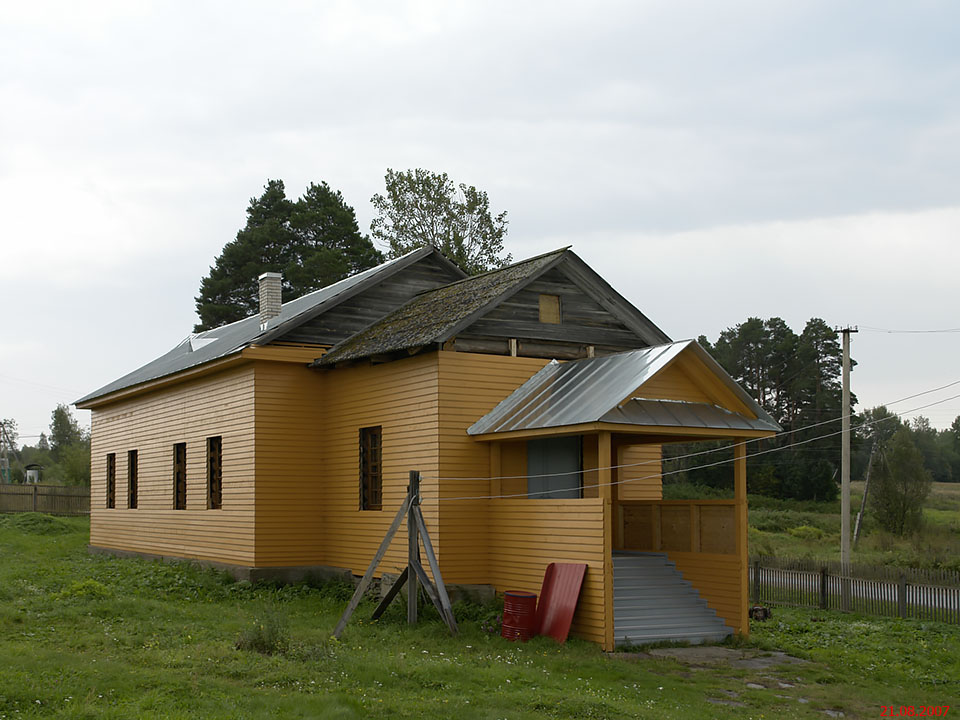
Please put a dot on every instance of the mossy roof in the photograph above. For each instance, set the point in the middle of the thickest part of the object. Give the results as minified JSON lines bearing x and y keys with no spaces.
{"x":436,"y":315}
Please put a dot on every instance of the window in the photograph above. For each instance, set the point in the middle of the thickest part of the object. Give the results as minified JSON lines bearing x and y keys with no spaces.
{"x":111,"y":480}
{"x":180,"y":476}
{"x":550,"y":309}
{"x":371,"y":471}
{"x":553,"y":467}
{"x":214,"y":472}
{"x":132,"y":479}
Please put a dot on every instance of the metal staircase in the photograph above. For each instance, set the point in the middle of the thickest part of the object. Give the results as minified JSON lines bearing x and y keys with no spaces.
{"x":653,"y":603}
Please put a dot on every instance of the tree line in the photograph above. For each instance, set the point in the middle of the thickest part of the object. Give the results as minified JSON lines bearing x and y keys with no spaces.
{"x":63,"y":455}
{"x":797,"y":379}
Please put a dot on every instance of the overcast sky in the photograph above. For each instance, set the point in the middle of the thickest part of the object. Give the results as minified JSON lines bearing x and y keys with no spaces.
{"x":714,"y":161}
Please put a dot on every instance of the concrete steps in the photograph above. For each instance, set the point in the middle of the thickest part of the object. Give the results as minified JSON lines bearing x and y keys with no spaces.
{"x":653,"y":603}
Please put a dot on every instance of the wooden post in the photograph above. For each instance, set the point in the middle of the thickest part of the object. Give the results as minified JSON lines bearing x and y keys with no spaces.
{"x":740,"y":506}
{"x":496,"y":484}
{"x":413,"y":547}
{"x":656,"y":520}
{"x":902,"y":596}
{"x":694,"y":527}
{"x":823,"y":588}
{"x":756,"y":581}
{"x":34,"y":498}
{"x":368,"y":575}
{"x":616,"y":454}
{"x":605,"y":493}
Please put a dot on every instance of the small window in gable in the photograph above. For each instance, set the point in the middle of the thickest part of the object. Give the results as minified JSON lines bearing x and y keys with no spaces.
{"x":550,"y":309}
{"x":111,"y":480}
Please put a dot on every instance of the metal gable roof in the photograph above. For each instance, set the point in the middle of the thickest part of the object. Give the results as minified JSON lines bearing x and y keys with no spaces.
{"x":199,"y":348}
{"x":593,"y":390}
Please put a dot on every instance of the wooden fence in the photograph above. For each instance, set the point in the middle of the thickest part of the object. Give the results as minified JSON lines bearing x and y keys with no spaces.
{"x":868,"y":589}
{"x":50,"y":499}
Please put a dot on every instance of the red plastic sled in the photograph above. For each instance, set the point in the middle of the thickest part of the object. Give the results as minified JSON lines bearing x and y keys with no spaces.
{"x":558,"y":599}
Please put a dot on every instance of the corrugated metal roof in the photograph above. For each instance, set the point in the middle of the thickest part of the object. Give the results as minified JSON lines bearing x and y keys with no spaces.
{"x":592,"y":390}
{"x":220,"y":342}
{"x":680,"y":413}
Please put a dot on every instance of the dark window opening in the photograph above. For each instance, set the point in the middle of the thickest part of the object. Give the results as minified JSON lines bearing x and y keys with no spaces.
{"x":111,"y":480}
{"x":554,"y":467}
{"x":214,"y":472}
{"x":132,"y":479}
{"x":180,"y":476}
{"x":371,"y":470}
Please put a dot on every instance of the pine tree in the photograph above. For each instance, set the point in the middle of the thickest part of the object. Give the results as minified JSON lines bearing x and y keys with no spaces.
{"x":313,"y":242}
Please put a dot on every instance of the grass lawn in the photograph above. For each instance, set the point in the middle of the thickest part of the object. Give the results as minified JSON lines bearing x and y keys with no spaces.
{"x":85,"y":636}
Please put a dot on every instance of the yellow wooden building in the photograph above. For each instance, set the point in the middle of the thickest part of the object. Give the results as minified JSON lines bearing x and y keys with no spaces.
{"x":280,"y":445}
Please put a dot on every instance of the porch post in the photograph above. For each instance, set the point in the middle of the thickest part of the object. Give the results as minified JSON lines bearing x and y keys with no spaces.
{"x":495,"y":473}
{"x":605,"y":492}
{"x":740,"y":510}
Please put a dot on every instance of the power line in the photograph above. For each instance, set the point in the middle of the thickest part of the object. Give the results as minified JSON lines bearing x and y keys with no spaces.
{"x":908,"y":332}
{"x":669,"y":472}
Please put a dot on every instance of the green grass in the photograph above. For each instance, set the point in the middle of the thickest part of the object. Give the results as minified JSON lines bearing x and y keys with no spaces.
{"x":84,"y":636}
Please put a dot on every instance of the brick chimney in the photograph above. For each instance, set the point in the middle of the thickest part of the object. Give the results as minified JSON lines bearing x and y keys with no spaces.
{"x":270,"y":296}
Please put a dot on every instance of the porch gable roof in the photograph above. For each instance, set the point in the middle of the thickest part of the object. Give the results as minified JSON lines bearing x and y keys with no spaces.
{"x":604,"y":389}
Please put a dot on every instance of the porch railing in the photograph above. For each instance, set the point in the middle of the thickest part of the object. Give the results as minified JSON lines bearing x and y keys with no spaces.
{"x":707,"y":526}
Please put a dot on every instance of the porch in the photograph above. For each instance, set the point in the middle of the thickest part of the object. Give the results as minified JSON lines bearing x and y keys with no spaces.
{"x":659,"y":569}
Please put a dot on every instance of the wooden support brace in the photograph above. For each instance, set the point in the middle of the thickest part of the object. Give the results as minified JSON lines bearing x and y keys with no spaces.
{"x":447,"y":610}
{"x":391,"y":594}
{"x":368,"y":575}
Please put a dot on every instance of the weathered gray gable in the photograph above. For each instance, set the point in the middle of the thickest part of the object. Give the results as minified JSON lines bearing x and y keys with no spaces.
{"x":366,"y":308}
{"x":484,"y":312}
{"x":584,"y":320}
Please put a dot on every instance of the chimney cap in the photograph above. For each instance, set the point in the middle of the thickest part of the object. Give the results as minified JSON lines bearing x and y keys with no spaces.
{"x":270,"y":275}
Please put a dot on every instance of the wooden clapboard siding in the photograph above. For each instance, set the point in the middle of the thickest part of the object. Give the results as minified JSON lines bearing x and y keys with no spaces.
{"x":151,"y":423}
{"x":583,"y":319}
{"x":525,"y":535}
{"x":687,"y":378}
{"x":290,"y":471}
{"x":717,"y":578}
{"x":642,"y":481}
{"x":402,"y":398}
{"x":672,"y":383}
{"x":470,"y":385}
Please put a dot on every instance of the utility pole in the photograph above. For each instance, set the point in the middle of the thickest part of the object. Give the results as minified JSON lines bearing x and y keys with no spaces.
{"x":845,"y":468}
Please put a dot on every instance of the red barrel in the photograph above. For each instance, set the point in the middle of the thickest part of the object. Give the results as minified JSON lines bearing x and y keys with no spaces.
{"x":519,"y":615}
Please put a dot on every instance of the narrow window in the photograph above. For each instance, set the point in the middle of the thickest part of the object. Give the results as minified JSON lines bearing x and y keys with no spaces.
{"x":180,"y":476}
{"x":371,"y":475}
{"x":111,"y":480}
{"x":132,"y":479}
{"x":550,"y":309}
{"x":214,"y":472}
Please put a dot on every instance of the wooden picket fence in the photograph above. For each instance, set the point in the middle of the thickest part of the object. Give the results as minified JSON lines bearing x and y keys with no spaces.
{"x":867,"y":589}
{"x":50,"y":499}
